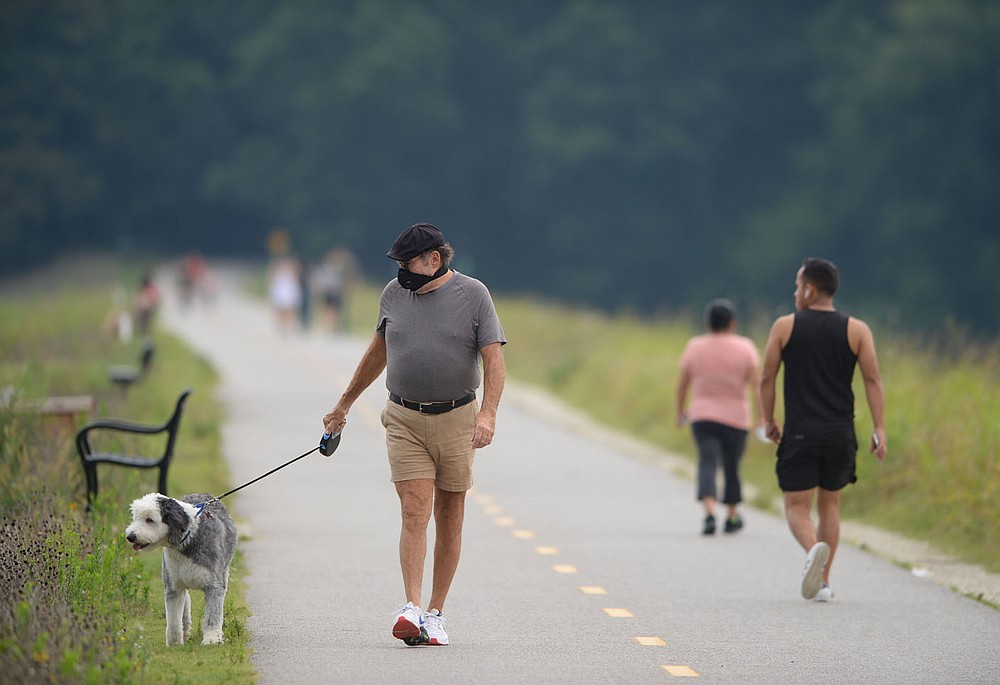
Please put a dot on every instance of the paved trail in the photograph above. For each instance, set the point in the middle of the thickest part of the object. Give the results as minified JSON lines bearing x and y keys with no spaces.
{"x":581,"y":564}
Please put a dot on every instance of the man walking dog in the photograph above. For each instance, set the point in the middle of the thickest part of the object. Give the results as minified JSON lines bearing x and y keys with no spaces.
{"x":434,"y":324}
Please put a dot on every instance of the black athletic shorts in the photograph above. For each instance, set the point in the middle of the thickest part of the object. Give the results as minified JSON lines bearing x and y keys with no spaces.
{"x":828,"y":463}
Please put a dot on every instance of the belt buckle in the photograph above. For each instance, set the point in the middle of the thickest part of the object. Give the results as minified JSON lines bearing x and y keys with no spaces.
{"x":426,"y":407}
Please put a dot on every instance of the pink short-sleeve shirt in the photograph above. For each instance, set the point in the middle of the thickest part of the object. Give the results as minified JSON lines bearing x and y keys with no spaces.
{"x":722,"y":368}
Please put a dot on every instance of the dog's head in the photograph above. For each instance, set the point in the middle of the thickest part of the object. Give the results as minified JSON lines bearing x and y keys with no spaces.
{"x":157,"y":520}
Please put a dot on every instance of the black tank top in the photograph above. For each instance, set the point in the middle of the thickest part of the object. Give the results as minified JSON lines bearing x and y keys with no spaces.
{"x":819,"y":367}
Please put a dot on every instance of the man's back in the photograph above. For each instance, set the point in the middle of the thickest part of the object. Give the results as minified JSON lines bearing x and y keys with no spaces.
{"x":819,"y":367}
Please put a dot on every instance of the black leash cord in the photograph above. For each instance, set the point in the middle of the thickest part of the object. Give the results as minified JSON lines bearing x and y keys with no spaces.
{"x":327,"y":446}
{"x":287,"y":463}
{"x":201,"y":507}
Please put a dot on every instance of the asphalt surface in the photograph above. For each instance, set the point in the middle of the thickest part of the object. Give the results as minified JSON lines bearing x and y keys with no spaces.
{"x":581,"y":563}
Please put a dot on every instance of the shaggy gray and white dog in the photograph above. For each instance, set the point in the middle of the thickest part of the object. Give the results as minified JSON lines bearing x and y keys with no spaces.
{"x":197,"y":552}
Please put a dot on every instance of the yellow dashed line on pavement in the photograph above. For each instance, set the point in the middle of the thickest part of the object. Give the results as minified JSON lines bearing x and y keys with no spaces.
{"x":650,"y":641}
{"x":492,"y":508}
{"x":483,"y":498}
{"x":681,"y":671}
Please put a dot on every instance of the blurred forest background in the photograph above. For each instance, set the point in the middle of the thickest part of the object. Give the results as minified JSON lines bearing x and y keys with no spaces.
{"x":622,"y":154}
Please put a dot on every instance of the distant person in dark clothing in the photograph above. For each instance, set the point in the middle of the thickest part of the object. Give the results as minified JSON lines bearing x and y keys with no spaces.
{"x":147,"y":301}
{"x":819,"y":347}
{"x":718,"y":368}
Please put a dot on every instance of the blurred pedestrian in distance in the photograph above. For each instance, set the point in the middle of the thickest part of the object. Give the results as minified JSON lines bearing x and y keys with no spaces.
{"x":285,"y":292}
{"x":819,"y":347}
{"x":434,"y":325}
{"x":305,"y":297}
{"x":332,"y":279}
{"x":119,"y":322}
{"x":145,"y":305}
{"x":192,"y":272}
{"x":721,"y":372}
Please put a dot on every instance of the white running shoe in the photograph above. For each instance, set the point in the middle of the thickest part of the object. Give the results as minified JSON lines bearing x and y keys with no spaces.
{"x":406,"y":622}
{"x":825,"y":593}
{"x":812,"y":574}
{"x":433,"y":623}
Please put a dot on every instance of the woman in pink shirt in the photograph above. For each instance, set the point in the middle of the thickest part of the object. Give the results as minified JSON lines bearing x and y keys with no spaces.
{"x":719,"y":368}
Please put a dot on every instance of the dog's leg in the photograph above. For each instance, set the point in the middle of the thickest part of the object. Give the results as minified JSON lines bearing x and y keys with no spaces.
{"x":211,"y":627}
{"x":175,"y":602}
{"x":187,"y":615}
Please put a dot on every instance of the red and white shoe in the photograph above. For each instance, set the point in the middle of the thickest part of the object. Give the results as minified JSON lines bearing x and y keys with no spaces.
{"x":406,"y":622}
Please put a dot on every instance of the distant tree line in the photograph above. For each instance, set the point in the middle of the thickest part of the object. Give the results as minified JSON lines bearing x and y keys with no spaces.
{"x":645,"y":154}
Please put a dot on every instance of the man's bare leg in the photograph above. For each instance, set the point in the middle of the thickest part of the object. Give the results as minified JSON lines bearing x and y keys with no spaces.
{"x":798,"y":506}
{"x":449,"y":515}
{"x":416,"y":498}
{"x":828,"y":508}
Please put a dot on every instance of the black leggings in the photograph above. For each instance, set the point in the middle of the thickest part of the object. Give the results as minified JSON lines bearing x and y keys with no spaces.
{"x":718,"y":442}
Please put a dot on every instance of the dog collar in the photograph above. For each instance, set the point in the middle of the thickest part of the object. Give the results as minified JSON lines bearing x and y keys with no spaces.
{"x":201,"y":510}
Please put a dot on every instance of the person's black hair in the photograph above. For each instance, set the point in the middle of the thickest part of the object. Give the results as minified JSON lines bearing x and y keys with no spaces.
{"x":719,"y":314}
{"x":822,"y":274}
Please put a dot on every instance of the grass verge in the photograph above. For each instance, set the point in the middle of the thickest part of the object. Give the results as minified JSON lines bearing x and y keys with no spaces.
{"x":77,"y":604}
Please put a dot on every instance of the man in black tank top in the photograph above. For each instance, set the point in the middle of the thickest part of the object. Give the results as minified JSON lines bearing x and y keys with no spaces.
{"x":820,"y":348}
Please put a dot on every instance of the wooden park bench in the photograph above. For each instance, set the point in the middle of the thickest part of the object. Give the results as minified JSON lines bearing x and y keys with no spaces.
{"x":125,"y":376}
{"x":91,"y":458}
{"x":64,"y":409}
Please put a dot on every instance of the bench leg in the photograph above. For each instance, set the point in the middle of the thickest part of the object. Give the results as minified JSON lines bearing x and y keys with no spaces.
{"x":163,"y":479}
{"x":90,"y":471}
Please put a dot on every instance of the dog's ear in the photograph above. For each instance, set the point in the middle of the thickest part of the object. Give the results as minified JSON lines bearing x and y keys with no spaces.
{"x":175,"y":518}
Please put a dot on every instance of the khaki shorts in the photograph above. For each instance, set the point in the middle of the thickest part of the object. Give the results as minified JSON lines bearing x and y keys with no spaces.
{"x":435,"y":446}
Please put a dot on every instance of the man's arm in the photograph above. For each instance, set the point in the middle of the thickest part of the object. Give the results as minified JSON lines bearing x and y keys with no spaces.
{"x":776,"y":339}
{"x":371,"y":365}
{"x":754,"y":382}
{"x":861,"y":340}
{"x":494,"y":376}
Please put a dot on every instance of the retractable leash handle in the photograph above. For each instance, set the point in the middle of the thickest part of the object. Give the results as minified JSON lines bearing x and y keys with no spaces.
{"x":329,"y":442}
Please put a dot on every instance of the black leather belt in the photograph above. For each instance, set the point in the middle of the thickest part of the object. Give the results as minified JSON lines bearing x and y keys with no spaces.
{"x":432,"y":407}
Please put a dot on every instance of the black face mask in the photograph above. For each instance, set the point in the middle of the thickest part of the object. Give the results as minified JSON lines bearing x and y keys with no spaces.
{"x":412,"y":281}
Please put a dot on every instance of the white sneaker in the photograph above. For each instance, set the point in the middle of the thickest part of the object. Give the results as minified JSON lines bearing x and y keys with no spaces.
{"x":825,"y":593}
{"x":406,"y":622}
{"x":812,"y":574}
{"x":433,"y":623}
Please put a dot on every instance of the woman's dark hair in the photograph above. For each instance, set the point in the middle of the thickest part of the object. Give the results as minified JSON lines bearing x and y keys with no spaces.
{"x":719,"y":314}
{"x":822,"y":274}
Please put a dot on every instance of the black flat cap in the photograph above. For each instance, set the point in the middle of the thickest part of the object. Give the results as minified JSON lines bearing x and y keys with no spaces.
{"x":414,"y":241}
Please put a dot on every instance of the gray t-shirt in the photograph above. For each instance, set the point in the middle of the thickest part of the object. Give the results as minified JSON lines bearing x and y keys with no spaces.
{"x":433,"y":340}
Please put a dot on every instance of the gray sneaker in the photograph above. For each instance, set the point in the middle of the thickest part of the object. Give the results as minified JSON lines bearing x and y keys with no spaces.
{"x":812,"y":574}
